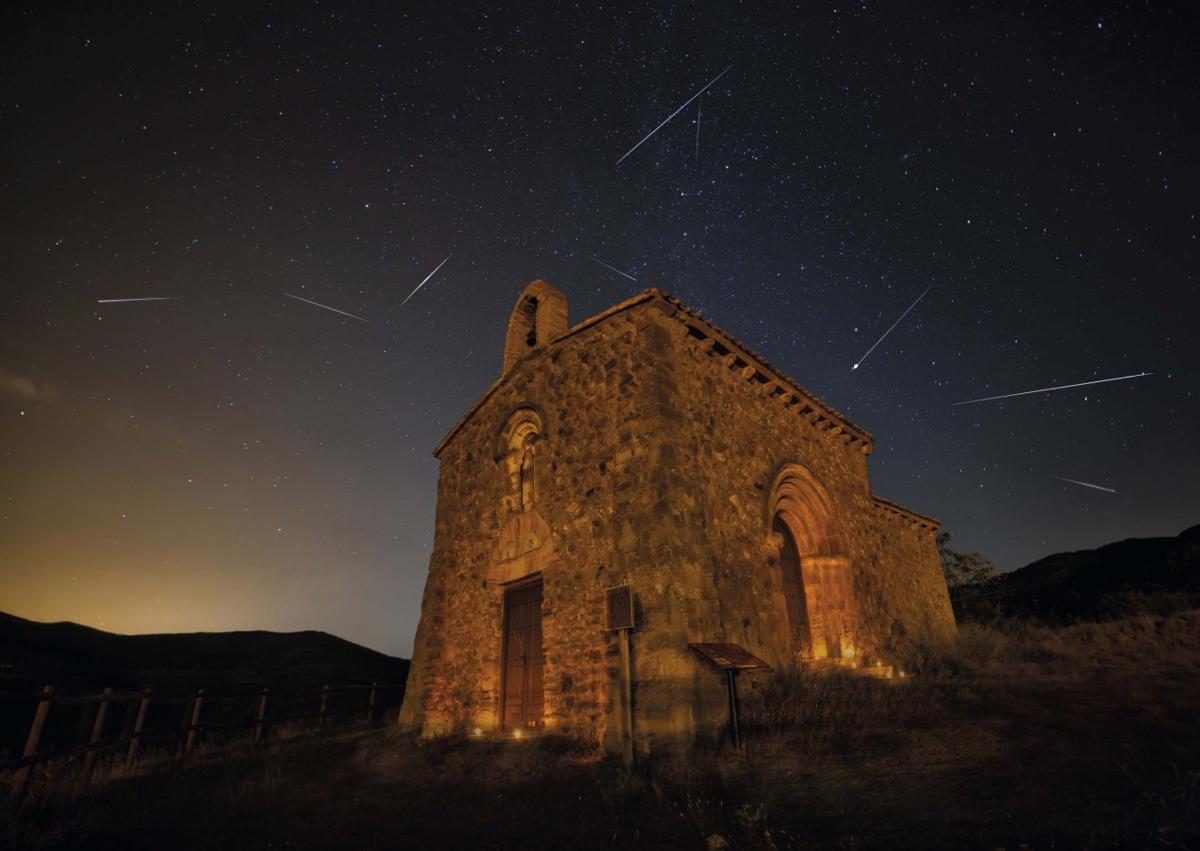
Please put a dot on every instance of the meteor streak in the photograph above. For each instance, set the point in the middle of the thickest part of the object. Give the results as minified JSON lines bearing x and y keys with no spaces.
{"x":1086,"y":484}
{"x":424,"y":282}
{"x":120,"y":300}
{"x":889,"y":330}
{"x":615,"y":269}
{"x":699,"y":103}
{"x":673,"y":114}
{"x":324,"y":306}
{"x":1051,"y":389}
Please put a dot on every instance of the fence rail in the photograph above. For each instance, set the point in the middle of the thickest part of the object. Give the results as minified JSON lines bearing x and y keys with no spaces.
{"x":194,"y":721}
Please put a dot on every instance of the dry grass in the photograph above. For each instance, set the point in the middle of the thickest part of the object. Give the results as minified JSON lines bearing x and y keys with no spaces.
{"x":1084,"y":736}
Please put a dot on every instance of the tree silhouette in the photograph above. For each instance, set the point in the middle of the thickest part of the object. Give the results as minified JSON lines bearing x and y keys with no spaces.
{"x":963,"y":568}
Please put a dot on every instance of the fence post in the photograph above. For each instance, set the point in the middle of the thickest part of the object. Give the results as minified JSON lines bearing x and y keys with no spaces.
{"x":371,"y":703}
{"x":93,"y":751}
{"x":20,"y":781}
{"x":194,"y":727}
{"x":138,"y":725}
{"x":260,"y":723}
{"x":324,"y":706}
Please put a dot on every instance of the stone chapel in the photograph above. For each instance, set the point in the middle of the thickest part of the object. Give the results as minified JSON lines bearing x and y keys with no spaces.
{"x":645,"y":446}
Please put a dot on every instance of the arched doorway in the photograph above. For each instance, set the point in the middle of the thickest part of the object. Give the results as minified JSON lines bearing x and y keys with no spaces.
{"x":793,"y":587}
{"x":815,"y":571}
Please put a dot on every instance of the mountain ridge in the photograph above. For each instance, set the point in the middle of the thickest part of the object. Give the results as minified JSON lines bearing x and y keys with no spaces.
{"x":1126,"y":577}
{"x":68,"y":652}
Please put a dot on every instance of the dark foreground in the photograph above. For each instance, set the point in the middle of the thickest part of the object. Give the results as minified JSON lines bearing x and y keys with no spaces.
{"x":1086,"y":736}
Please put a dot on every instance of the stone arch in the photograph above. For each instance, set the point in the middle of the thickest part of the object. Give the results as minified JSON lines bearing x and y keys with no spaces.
{"x":538,"y":318}
{"x":815,"y":568}
{"x":803,"y":502}
{"x":515,"y":421}
{"x":517,"y":452}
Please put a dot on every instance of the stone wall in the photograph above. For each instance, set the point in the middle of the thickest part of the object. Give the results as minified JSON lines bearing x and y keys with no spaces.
{"x":659,"y":461}
{"x":596,"y":486}
{"x":731,"y":434}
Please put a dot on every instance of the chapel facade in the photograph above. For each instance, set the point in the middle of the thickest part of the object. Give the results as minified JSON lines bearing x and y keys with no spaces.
{"x":646,"y":447}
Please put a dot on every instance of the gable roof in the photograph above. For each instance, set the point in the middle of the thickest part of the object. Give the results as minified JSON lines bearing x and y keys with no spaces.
{"x":758,"y":372}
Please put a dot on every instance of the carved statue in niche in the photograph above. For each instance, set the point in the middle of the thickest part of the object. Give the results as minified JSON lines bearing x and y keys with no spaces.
{"x":526,"y":477}
{"x":523,"y":434}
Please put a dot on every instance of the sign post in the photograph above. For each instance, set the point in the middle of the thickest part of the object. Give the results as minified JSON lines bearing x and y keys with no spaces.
{"x":731,"y":688}
{"x":618,"y":616}
{"x":731,"y":659}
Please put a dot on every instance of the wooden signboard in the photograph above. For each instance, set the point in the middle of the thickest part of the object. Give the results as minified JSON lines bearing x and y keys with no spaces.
{"x":730,"y":658}
{"x":618,"y":608}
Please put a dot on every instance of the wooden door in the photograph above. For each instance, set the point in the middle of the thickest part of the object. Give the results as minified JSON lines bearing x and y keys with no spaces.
{"x":522,"y":656}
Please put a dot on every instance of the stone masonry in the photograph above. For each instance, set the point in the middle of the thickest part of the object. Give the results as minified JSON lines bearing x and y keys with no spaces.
{"x":646,"y":446}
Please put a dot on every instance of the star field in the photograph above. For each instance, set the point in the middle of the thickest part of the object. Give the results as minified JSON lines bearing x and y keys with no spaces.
{"x":235,"y":458}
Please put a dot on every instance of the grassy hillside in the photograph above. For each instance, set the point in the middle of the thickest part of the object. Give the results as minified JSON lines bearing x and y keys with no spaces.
{"x":1017,"y":736}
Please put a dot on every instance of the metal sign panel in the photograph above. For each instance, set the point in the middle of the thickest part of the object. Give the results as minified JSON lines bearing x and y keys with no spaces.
{"x":729,"y":657}
{"x":618,"y":608}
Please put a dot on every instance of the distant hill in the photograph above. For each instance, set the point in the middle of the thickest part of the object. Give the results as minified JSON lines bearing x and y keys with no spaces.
{"x":70,"y":654}
{"x":1134,"y":576}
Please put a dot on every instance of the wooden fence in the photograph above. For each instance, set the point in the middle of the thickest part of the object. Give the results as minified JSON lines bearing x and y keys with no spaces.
{"x":220,"y":718}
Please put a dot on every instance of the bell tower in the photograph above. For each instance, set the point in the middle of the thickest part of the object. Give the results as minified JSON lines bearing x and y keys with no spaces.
{"x":539,"y":317}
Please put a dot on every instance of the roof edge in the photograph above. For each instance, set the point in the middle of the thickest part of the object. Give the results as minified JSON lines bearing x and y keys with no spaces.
{"x":680,"y":312}
{"x":822,"y":410}
{"x":907,"y":513}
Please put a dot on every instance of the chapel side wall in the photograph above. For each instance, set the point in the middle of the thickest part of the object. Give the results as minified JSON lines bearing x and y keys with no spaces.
{"x":427,"y":645}
{"x":732,"y":439}
{"x":910,"y":605}
{"x":598,"y":393}
{"x":729,"y":442}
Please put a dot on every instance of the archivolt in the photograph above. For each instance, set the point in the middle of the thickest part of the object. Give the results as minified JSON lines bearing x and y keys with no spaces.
{"x":520,"y":427}
{"x":803,"y":504}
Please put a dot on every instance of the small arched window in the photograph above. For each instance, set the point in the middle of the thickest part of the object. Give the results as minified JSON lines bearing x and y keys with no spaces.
{"x":519,"y":438}
{"x":529,"y":317}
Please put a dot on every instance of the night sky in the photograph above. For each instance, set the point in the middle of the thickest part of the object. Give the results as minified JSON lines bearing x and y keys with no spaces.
{"x":233,"y":458}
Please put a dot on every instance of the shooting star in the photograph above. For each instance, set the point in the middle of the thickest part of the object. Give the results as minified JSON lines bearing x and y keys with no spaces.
{"x":424,"y":282}
{"x":698,"y":103}
{"x":673,"y":114}
{"x":1086,"y":484}
{"x":889,"y":330}
{"x":1051,"y":389}
{"x":615,"y":269}
{"x":122,"y":300}
{"x":324,"y":306}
